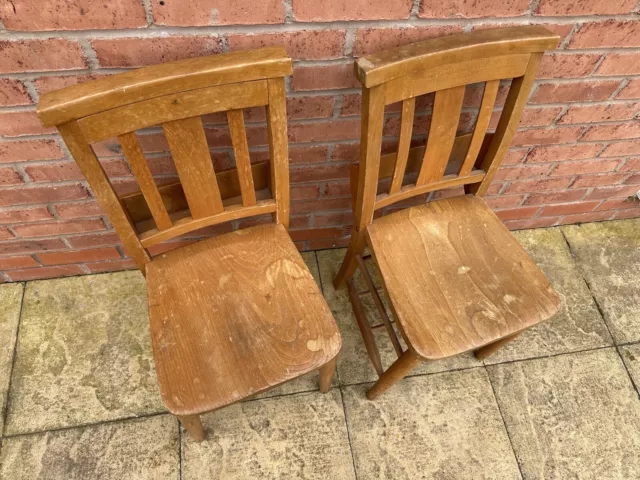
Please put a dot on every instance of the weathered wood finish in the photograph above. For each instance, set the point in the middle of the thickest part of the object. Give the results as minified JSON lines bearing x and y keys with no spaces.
{"x":452,"y":272}
{"x":230,"y":316}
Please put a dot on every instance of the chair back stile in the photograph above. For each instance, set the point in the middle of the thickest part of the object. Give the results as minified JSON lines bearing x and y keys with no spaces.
{"x":174,"y":96}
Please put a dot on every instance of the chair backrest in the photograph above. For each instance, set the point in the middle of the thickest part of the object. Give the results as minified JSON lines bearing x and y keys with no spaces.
{"x":444,"y":66}
{"x":174,"y":95}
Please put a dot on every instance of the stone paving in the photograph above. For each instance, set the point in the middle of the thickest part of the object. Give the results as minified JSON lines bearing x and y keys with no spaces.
{"x":80,"y":400}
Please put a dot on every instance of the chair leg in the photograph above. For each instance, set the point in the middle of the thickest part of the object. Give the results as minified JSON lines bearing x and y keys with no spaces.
{"x":396,"y":372}
{"x":193,"y":425}
{"x":347,"y":268}
{"x":365,"y":328}
{"x":326,"y":375}
{"x":493,"y":347}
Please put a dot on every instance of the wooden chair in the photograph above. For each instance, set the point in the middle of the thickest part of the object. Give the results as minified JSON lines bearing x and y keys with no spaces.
{"x":456,"y":279}
{"x":230,"y":316}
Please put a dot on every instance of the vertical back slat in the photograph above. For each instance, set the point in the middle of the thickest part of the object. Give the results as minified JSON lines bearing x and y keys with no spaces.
{"x":148,"y":187}
{"x":442,"y":133}
{"x":190,"y":154}
{"x":243,"y":162}
{"x":278,"y":147}
{"x":516,"y":101}
{"x":406,"y":129}
{"x":480,"y":130}
{"x":103,"y":190}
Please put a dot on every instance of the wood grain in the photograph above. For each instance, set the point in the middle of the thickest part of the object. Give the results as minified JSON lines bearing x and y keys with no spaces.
{"x":241,"y":151}
{"x":191,"y":157}
{"x":456,"y":276}
{"x":279,"y":149}
{"x":214,"y":346}
{"x":406,"y":129}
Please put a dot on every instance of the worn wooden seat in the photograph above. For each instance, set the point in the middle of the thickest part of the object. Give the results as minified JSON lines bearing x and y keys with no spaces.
{"x":456,"y":279}
{"x":230,"y":316}
{"x":233,"y":316}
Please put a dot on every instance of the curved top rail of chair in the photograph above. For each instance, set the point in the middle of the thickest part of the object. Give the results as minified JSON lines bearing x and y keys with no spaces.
{"x":78,"y":101}
{"x":397,"y":62}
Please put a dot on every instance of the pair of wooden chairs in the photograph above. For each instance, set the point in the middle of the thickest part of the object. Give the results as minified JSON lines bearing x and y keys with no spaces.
{"x":235,"y":315}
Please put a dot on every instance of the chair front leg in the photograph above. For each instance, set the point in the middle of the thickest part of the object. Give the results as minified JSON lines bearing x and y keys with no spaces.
{"x":193,"y":425}
{"x":493,"y":347}
{"x":396,"y":372}
{"x":326,"y":375}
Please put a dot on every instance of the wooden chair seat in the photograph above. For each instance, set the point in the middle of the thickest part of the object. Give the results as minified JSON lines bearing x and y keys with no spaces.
{"x":456,"y":277}
{"x":233,"y":316}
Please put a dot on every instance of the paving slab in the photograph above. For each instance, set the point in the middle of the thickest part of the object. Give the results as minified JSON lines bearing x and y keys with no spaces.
{"x":145,"y":448}
{"x":354,"y":365}
{"x":440,"y":426}
{"x":300,"y":436}
{"x":631,"y":357}
{"x":83,"y":354}
{"x":10,"y":301}
{"x":608,"y":256}
{"x":577,"y":325}
{"x":571,"y":416}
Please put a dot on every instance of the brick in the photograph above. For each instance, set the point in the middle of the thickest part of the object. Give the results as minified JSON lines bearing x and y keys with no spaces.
{"x":517,"y":213}
{"x":12,"y":92}
{"x":531,"y":223}
{"x":351,"y":105}
{"x":610,"y":33}
{"x":33,"y":15}
{"x":629,"y":213}
{"x":591,"y":91}
{"x":572,"y":8}
{"x":299,"y":221}
{"x":540,"y":185}
{"x":65,"y":171}
{"x":568,"y":208}
{"x":24,"y":150}
{"x":533,"y":117}
{"x":633,"y":180}
{"x":15,"y":124}
{"x":565,"y":65}
{"x":316,"y":233}
{"x":538,"y":136}
{"x":187,"y":13}
{"x":306,"y":155}
{"x":137,"y":52}
{"x":342,"y":218}
{"x":79,"y":210}
{"x":619,"y":203}
{"x":300,"y":45}
{"x":24,"y":215}
{"x":337,"y":10}
{"x":5,"y":234}
{"x":12,"y":263}
{"x":617,"y":149}
{"x":310,"y":107}
{"x":585,"y":181}
{"x":44,"y":272}
{"x":620,"y":64}
{"x":319,"y":173}
{"x":9,"y":176}
{"x":613,"y":132}
{"x":514,"y":156}
{"x":472,"y":9}
{"x":79,"y":256}
{"x":49,"y":84}
{"x":111,"y":266}
{"x":559,"y":153}
{"x":371,"y":40}
{"x":19,"y":56}
{"x":346,"y":152}
{"x":575,"y":168}
{"x":504,"y":201}
{"x":30,"y":246}
{"x":586,"y":217}
{"x":324,"y":77}
{"x":305,"y":192}
{"x":555,"y":197}
{"x":600,"y":113}
{"x":93,"y":240}
{"x":34,"y":195}
{"x":324,"y":131}
{"x":321,"y":205}
{"x":621,"y":191}
{"x":632,"y":90}
{"x":632,"y":164}
{"x":522,"y":171}
{"x":49,"y":229}
{"x":335,"y":189}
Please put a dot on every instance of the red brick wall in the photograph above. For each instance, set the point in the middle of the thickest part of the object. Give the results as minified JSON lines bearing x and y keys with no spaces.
{"x":576,"y":157}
